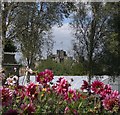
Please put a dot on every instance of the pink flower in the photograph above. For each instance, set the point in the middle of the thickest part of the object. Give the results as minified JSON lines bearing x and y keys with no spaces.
{"x":32,"y":90}
{"x":112,"y":101}
{"x":97,"y":87}
{"x":20,"y":91}
{"x":72,"y":95}
{"x":107,"y":90}
{"x":62,"y":86}
{"x":85,"y":85}
{"x":6,"y":96}
{"x":45,"y":77}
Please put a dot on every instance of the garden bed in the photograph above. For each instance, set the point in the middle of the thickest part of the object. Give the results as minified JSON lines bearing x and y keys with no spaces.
{"x":47,"y":97}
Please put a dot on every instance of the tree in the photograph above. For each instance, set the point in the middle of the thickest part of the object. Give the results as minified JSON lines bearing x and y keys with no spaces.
{"x":9,"y":46}
{"x":32,"y":22}
{"x":48,"y":43}
{"x":7,"y":18}
{"x":89,"y":24}
{"x":111,"y":58}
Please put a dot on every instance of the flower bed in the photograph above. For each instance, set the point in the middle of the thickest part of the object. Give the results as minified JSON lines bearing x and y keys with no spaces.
{"x":45,"y":97}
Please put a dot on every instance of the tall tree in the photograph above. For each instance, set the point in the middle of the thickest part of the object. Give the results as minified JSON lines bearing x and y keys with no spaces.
{"x":7,"y":18}
{"x":32,"y":22}
{"x":89,"y":24}
{"x":111,"y":58}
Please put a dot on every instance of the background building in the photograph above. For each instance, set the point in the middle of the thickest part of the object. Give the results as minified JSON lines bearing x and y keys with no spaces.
{"x":60,"y":57}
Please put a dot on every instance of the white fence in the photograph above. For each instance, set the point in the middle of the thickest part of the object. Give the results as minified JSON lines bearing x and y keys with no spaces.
{"x":76,"y":84}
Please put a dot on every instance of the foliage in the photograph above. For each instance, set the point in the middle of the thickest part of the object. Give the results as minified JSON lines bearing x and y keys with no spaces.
{"x":29,"y":23}
{"x":111,"y":56}
{"x":45,"y":97}
{"x":9,"y":46}
{"x":68,"y":67}
{"x":90,"y":31}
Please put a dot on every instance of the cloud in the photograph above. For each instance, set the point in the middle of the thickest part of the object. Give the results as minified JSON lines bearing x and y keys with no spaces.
{"x":62,"y":37}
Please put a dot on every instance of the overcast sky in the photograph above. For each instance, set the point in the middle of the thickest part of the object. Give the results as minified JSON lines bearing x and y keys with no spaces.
{"x":62,"y":37}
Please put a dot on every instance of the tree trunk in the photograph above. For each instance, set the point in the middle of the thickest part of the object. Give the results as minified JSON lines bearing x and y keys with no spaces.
{"x":0,"y":52}
{"x":0,"y":41}
{"x":91,"y":48}
{"x":28,"y":74}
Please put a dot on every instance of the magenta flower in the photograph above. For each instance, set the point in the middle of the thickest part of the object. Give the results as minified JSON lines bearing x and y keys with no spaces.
{"x":97,"y":87}
{"x":31,"y":89}
{"x":45,"y":77}
{"x":62,"y":86}
{"x":112,"y":101}
{"x":85,"y":85}
{"x":20,"y":91}
{"x":6,"y":96}
{"x":107,"y":90}
{"x":72,"y":95}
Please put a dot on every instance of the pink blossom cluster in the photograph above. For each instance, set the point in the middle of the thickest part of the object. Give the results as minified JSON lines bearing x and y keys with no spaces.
{"x":32,"y":90}
{"x":97,"y":87}
{"x":72,"y":95}
{"x":85,"y":86}
{"x":31,"y":95}
{"x":29,"y":92}
{"x":6,"y":96}
{"x":44,"y":77}
{"x":110,"y":99}
{"x":106,"y":91}
{"x":20,"y":91}
{"x":61,"y":87}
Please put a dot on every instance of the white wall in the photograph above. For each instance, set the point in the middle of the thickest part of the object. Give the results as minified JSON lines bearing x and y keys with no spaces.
{"x":76,"y":84}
